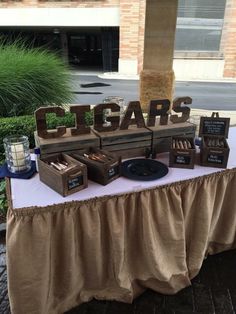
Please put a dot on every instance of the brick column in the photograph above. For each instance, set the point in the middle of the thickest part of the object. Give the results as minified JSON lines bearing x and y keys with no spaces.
{"x":229,"y":39}
{"x":129,"y":36}
{"x":157,"y":77}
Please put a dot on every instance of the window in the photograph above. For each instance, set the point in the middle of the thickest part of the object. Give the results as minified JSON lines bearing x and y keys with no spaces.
{"x":199,"y":25}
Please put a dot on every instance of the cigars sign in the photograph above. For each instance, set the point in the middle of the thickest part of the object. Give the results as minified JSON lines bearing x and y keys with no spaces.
{"x":133,"y":116}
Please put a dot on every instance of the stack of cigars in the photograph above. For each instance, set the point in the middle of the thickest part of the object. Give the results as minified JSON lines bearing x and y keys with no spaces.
{"x":215,"y":142}
{"x":181,"y":144}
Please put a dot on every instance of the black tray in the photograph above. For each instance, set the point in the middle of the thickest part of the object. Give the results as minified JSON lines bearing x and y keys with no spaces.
{"x":143,"y":169}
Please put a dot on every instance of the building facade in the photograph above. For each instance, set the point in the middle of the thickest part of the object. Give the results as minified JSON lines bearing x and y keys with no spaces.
{"x":109,"y":34}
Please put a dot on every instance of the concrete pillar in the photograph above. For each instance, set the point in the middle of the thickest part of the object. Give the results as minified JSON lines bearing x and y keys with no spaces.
{"x":157,"y":77}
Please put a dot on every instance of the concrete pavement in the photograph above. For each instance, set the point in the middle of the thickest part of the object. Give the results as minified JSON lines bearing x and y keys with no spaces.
{"x":197,"y":113}
{"x":222,"y":94}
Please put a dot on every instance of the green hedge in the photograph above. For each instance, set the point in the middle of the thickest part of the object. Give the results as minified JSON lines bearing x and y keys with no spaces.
{"x":25,"y":125}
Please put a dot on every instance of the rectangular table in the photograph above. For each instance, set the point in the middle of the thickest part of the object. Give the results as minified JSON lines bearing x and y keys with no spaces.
{"x":114,"y":241}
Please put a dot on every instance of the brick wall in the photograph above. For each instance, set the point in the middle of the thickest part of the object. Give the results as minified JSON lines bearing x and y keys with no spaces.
{"x":59,"y":3}
{"x":142,"y":9}
{"x":132,"y":19}
{"x":228,"y":45}
{"x":129,"y":28}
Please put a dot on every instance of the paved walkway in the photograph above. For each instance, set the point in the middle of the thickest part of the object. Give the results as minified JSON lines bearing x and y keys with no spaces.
{"x":213,"y":291}
{"x":197,"y":113}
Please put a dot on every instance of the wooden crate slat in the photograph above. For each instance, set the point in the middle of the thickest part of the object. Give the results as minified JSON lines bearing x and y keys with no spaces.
{"x":124,"y":136}
{"x":66,"y":143}
{"x":127,"y":145}
{"x":130,"y":153}
{"x":172,"y":129}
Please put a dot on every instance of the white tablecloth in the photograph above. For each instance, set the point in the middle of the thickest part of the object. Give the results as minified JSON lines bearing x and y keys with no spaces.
{"x":39,"y":194}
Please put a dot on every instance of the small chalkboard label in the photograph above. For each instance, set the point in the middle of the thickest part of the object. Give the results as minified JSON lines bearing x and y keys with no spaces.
{"x":73,"y":183}
{"x":215,"y":159}
{"x":214,"y":127}
{"x":183,"y":160}
{"x":113,"y":171}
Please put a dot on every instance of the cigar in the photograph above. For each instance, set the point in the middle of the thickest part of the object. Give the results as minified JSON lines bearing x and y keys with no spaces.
{"x":104,"y":157}
{"x":189,"y":144}
{"x":56,"y":166}
{"x":209,"y":142}
{"x":64,"y":163}
{"x":173,"y":143}
{"x":185,"y":144}
{"x":94,"y":158}
{"x":181,"y":144}
{"x":217,"y":142}
{"x":61,"y":165}
{"x":222,"y":143}
{"x":97,"y":157}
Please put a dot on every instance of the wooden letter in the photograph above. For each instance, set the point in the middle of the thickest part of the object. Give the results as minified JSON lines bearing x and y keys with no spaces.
{"x":99,"y":114}
{"x":80,"y":124}
{"x":133,"y":107}
{"x":177,"y":108}
{"x":41,"y":124}
{"x":158,"y":108}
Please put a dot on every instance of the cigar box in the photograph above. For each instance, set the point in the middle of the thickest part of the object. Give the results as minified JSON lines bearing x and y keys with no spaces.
{"x":182,"y":152}
{"x":69,"y":180}
{"x":132,"y":142}
{"x":103,"y":166}
{"x":162,"y":134}
{"x":214,"y":150}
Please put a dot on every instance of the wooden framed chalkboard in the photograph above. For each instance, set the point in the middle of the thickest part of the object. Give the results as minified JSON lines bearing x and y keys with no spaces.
{"x":214,"y":126}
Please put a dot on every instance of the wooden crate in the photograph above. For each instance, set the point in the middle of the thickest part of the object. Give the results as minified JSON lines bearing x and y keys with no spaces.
{"x":66,"y":143}
{"x":182,"y":157}
{"x":101,"y":172}
{"x":214,"y":130}
{"x":67,"y":181}
{"x":216,"y":157}
{"x":126,"y":143}
{"x":162,"y":134}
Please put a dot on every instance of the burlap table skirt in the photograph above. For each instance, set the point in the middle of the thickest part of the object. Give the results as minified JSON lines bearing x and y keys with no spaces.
{"x":117,"y":246}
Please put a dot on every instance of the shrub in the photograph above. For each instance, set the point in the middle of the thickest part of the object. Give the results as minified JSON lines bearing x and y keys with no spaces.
{"x":30,"y":78}
{"x":3,"y":201}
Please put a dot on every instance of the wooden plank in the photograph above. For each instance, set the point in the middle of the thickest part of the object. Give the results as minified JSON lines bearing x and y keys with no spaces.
{"x":69,"y":152}
{"x":66,"y":142}
{"x":162,"y":144}
{"x":133,"y":134}
{"x":130,"y":153}
{"x":130,"y":145}
{"x":172,"y":129}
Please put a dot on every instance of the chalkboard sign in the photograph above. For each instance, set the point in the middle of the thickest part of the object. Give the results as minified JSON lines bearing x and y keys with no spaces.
{"x":183,"y":160}
{"x":215,"y":159}
{"x":113,"y":171}
{"x":214,"y":126}
{"x":73,"y":183}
